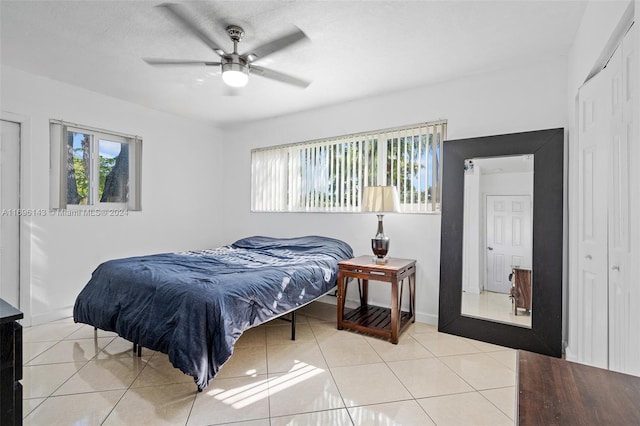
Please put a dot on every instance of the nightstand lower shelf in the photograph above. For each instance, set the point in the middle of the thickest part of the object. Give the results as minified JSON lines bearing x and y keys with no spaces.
{"x":374,"y":320}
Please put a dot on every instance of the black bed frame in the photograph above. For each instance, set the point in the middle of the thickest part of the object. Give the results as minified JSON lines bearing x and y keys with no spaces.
{"x":138,"y":348}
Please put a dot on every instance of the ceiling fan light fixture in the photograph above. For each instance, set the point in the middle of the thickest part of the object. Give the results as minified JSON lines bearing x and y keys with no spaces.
{"x":234,"y":67}
{"x":235,"y":75}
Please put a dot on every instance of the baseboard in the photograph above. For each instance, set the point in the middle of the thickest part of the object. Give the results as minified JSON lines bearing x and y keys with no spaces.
{"x":329,"y":299}
{"x":52,"y":315}
{"x":430,"y":319}
{"x":569,"y":355}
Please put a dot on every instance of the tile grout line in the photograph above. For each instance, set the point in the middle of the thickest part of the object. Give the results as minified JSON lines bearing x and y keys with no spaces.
{"x":405,"y":386}
{"x":266,"y":347}
{"x":128,"y":388}
{"x":68,"y":378}
{"x":463,"y":379}
{"x":315,"y":337}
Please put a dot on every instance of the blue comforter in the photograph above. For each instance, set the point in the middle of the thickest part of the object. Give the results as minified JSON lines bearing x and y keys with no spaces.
{"x":193,"y":306}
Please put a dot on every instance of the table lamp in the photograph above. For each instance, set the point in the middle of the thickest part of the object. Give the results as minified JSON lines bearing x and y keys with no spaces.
{"x":380,"y":199}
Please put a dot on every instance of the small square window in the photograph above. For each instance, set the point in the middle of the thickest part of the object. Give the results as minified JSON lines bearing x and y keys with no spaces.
{"x":94,"y":168}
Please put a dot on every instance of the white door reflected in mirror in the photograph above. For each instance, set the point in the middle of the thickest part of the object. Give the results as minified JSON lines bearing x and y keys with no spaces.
{"x":497,"y":240}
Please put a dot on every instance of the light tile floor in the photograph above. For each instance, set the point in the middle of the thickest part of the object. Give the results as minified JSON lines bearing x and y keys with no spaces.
{"x":73,"y":375}
{"x":494,"y":306}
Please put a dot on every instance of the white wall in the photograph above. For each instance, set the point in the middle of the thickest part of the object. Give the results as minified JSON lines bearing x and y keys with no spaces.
{"x":181,"y":169}
{"x":598,"y":23}
{"x":472,"y":266}
{"x":504,"y":101}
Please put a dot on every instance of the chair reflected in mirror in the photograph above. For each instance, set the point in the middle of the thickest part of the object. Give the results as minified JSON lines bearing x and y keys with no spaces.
{"x":521,"y":289}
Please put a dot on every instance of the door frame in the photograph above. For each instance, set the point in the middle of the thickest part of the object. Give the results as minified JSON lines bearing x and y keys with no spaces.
{"x":25,"y":203}
{"x":10,"y":226}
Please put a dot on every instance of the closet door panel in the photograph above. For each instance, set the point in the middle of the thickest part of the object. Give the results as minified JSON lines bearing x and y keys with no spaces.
{"x":624,"y":342}
{"x":618,"y":229}
{"x":631,"y":115}
{"x":592,"y":287}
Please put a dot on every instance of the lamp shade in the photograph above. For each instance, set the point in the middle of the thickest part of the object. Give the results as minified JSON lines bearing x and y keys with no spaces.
{"x":380,"y":199}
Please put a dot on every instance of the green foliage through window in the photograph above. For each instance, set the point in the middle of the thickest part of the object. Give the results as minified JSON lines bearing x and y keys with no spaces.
{"x":111,"y":169}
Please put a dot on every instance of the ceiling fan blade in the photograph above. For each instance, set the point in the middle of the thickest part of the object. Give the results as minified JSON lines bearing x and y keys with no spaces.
{"x":154,"y":61}
{"x":179,"y":15}
{"x":276,"y":45}
{"x":278,"y":76}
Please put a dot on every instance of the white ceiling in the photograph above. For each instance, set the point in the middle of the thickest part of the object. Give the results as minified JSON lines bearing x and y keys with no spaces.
{"x":357,"y":48}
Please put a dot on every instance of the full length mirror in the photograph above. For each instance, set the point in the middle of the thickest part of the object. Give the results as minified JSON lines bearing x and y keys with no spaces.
{"x":546,"y":150}
{"x":497,"y":250}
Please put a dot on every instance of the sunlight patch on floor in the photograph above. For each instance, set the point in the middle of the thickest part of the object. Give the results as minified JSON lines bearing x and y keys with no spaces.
{"x":243,"y":396}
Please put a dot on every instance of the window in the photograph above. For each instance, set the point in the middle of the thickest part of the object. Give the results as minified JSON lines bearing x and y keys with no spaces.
{"x":329,"y":174}
{"x":91,"y":167}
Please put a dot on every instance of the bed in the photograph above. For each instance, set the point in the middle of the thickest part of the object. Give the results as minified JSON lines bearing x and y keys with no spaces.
{"x":194,"y":305}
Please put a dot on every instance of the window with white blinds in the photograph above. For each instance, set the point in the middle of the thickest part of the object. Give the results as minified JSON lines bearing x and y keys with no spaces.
{"x":329,"y":175}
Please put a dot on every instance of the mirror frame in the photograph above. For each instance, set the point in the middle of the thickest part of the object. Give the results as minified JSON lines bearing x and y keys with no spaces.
{"x":545,"y":334}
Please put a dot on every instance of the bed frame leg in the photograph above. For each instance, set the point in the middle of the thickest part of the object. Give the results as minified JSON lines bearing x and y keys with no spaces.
{"x":293,"y":325}
{"x":137,"y":348}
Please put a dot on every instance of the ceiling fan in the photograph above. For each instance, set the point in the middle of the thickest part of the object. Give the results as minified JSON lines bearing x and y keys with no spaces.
{"x":235,"y":67}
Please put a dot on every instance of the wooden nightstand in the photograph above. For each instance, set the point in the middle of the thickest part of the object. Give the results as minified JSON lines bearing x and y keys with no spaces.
{"x":383,"y":322}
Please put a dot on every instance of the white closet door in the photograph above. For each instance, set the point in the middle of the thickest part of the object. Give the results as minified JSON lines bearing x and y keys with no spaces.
{"x":623,"y":199}
{"x":631,"y":116}
{"x":592,"y":288}
{"x":607,"y":289}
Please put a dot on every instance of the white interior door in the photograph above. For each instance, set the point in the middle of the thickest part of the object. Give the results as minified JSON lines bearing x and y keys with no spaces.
{"x":593,"y":175}
{"x":9,"y":219}
{"x":508,"y":238}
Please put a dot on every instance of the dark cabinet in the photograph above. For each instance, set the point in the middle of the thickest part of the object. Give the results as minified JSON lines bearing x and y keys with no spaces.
{"x":10,"y":365}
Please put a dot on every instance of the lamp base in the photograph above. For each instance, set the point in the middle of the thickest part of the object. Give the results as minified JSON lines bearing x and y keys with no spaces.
{"x":380,"y":260}
{"x":380,"y":246}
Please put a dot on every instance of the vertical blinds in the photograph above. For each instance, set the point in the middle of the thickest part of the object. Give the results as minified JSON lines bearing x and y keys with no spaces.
{"x":330,"y":174}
